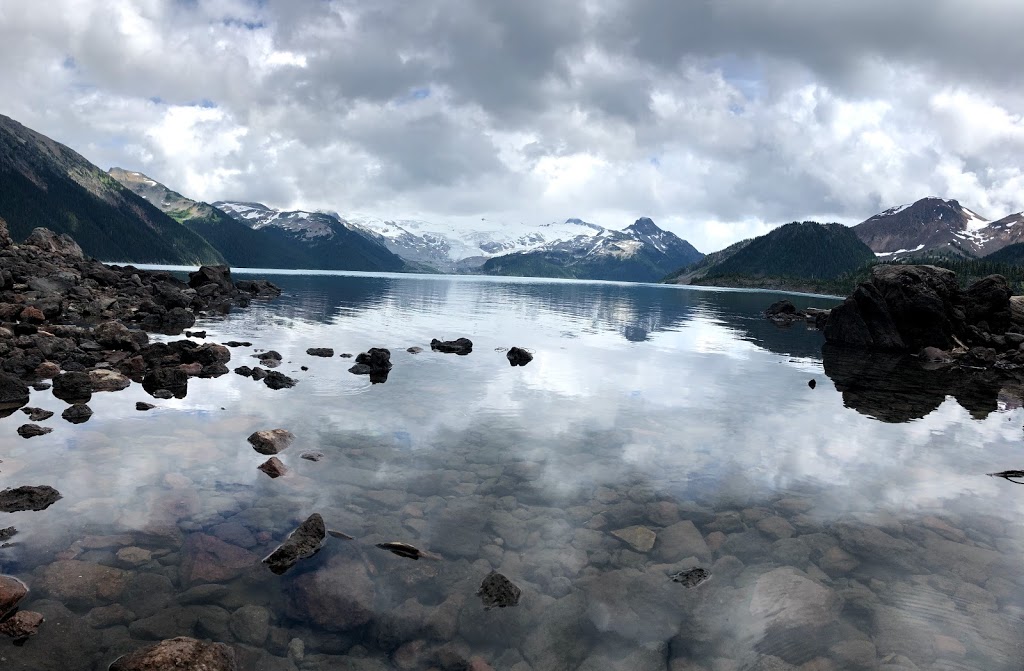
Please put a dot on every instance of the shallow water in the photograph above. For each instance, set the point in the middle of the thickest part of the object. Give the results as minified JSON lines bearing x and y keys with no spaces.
{"x":842,"y":528}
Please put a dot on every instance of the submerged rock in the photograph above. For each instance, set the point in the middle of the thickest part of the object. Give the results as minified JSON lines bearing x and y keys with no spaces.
{"x":273,"y":467}
{"x":312,"y":456}
{"x":406,"y":550}
{"x":414,"y":350}
{"x":498,"y":591}
{"x":461,"y":346}
{"x":33,"y":430}
{"x":338,"y":596}
{"x":639,"y":538}
{"x":186,"y":654}
{"x":271,"y":441}
{"x":22,"y":625}
{"x":302,"y":543}
{"x":517,"y":356}
{"x":28,"y":498}
{"x":6,"y":535}
{"x":77,"y":414}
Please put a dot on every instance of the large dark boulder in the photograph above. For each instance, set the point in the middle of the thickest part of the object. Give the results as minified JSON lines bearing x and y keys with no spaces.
{"x":864,"y":321}
{"x":28,"y":497}
{"x":925,"y":303}
{"x":375,"y":362}
{"x":174,"y":380}
{"x":461,"y":346}
{"x":218,"y":275}
{"x":61,"y":245}
{"x":73,"y":387}
{"x":13,"y":392}
{"x":988,"y":301}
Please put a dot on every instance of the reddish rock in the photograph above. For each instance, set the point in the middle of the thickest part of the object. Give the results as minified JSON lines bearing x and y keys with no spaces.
{"x":47,"y":370}
{"x":271,"y":441}
{"x":273,"y":467}
{"x":32,"y":315}
{"x":182,"y":653}
{"x":82,"y":584}
{"x":22,"y":624}
{"x":209,"y":559}
{"x":192,"y":369}
{"x":12,"y":591}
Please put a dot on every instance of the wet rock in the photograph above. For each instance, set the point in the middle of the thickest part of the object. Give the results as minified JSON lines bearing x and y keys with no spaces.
{"x":259,"y":373}
{"x":269,"y":358}
{"x":775,"y":527}
{"x":791,"y":606}
{"x":33,"y":430}
{"x":414,"y":350}
{"x":28,"y":498}
{"x":143,"y":406}
{"x":461,"y":346}
{"x":134,"y":556}
{"x":217,"y":275}
{"x":639,"y":538}
{"x":273,"y":467}
{"x":339,"y":596}
{"x":73,"y":387}
{"x":77,"y":413}
{"x":679,"y":541}
{"x":271,"y":441}
{"x":812,"y":383}
{"x":250,"y":624}
{"x":934,"y":355}
{"x":169,"y":378}
{"x":7,"y":534}
{"x":244,"y":371}
{"x":195,"y":334}
{"x":12,"y":591}
{"x":302,"y":543}
{"x":47,"y":370}
{"x":837,"y":562}
{"x":498,"y":591}
{"x":518,"y":356}
{"x":375,"y":362}
{"x":13,"y":392}
{"x":312,"y":456}
{"x":276,"y":380}
{"x":690,"y":578}
{"x":37,"y":414}
{"x":22,"y":625}
{"x":102,"y":617}
{"x":80,"y":584}
{"x":208,"y":559}
{"x":187,"y":654}
{"x":163,"y":394}
{"x":320,"y":351}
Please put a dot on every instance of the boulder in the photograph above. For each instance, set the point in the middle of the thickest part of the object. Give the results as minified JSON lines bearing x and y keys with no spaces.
{"x":988,"y":300}
{"x":217,"y":275}
{"x":82,"y":584}
{"x":181,"y":653}
{"x":61,"y":245}
{"x":258,"y":288}
{"x":276,"y":380}
{"x":271,"y":441}
{"x":375,"y":362}
{"x":108,"y":380}
{"x":21,"y":625}
{"x":302,"y":543}
{"x":79,"y":413}
{"x":207,"y":559}
{"x":73,"y":387}
{"x":28,"y":497}
{"x":338,"y":596}
{"x":788,"y":606}
{"x":320,"y":351}
{"x":517,"y":356}
{"x":13,"y":392}
{"x":33,"y":430}
{"x":863,"y":321}
{"x":12,"y":591}
{"x":171,"y":378}
{"x":115,"y":335}
{"x":461,"y":346}
{"x":273,"y":467}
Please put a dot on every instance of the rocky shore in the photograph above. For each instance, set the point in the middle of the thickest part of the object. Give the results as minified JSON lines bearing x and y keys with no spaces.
{"x":83,"y":324}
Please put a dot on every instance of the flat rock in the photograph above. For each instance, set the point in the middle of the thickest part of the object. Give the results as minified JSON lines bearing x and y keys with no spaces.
{"x":302,"y":543}
{"x":143,"y":406}
{"x":679,"y":541}
{"x":250,"y":624}
{"x":271,"y":441}
{"x":638,"y":537}
{"x":786,"y":600}
{"x":22,"y":624}
{"x":80,"y":584}
{"x":498,"y":591}
{"x":461,"y":346}
{"x":207,"y":559}
{"x":28,"y":497}
{"x":320,"y":351}
{"x":186,"y":654}
{"x":134,"y":556}
{"x":108,"y":380}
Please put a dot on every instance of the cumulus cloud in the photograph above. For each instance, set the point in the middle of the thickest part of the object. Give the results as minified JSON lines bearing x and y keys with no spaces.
{"x":718,"y":119}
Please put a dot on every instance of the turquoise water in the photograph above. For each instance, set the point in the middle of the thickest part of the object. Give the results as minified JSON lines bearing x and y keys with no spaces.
{"x":658,"y":429}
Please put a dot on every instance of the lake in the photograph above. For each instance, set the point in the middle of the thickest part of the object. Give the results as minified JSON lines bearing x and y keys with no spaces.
{"x":658,"y":429}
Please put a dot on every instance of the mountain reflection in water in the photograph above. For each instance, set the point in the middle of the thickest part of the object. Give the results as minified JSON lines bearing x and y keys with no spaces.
{"x":657,"y":430}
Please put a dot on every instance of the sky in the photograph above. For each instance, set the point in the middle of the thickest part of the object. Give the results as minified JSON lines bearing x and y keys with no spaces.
{"x":719,"y":119}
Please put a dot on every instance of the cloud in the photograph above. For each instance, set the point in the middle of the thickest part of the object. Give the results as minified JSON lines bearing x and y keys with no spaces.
{"x":719,"y":120}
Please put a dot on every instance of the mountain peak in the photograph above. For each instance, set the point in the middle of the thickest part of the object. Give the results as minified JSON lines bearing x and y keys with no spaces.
{"x":644,"y":225}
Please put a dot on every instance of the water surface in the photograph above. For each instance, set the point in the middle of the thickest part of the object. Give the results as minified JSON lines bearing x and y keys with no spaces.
{"x":846,"y":526}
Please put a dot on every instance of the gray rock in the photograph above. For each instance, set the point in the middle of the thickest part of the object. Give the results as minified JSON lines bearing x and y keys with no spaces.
{"x":304,"y":542}
{"x":271,"y":441}
{"x":250,"y":624}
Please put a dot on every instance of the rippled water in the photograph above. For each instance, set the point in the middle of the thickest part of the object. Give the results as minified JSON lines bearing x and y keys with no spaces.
{"x":842,"y":528}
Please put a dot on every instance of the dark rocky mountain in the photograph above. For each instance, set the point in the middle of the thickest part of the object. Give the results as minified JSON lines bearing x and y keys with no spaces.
{"x":929,"y":226}
{"x":240,"y":245}
{"x":797,"y":251}
{"x":45,"y":184}
{"x":1006,"y":233}
{"x":641,"y":252}
{"x":322,"y":240}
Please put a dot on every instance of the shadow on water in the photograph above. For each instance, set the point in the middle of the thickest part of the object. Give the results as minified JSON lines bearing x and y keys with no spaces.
{"x":899,"y":388}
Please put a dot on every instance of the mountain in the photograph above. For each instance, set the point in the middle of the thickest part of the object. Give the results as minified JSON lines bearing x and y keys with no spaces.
{"x":794,"y":255}
{"x":929,"y":226}
{"x":44,"y":183}
{"x":322,"y":240}
{"x":641,"y":252}
{"x":240,"y":245}
{"x":450,"y":249}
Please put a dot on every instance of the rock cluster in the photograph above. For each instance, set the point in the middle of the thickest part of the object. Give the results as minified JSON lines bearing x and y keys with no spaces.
{"x":375,"y":362}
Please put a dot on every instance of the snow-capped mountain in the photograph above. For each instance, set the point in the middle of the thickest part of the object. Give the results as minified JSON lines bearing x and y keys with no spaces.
{"x":325,"y":240}
{"x":933,"y":225}
{"x":641,"y":252}
{"x":449,"y":248}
